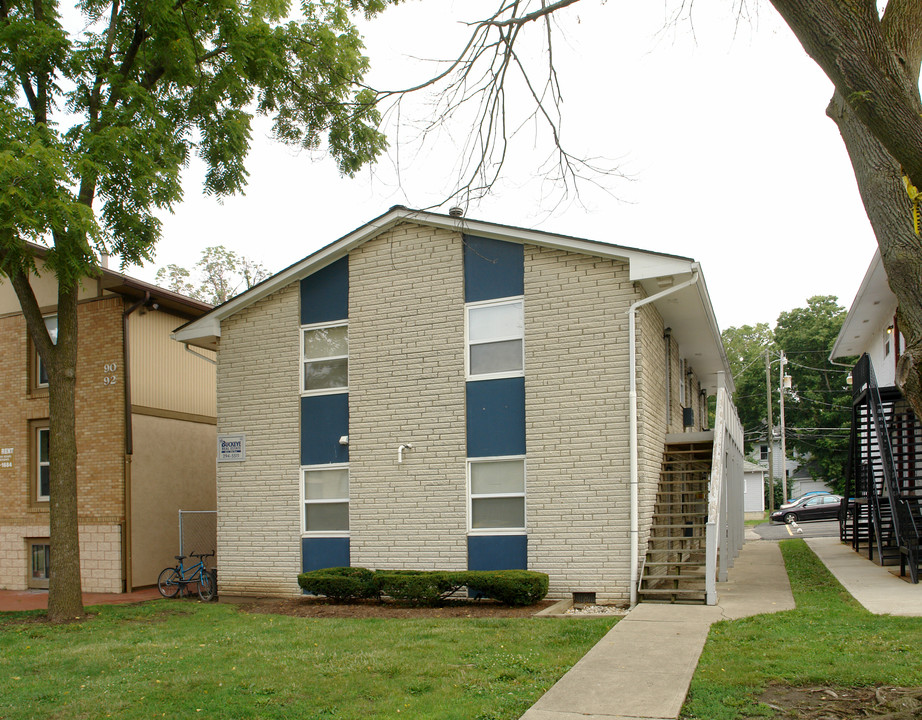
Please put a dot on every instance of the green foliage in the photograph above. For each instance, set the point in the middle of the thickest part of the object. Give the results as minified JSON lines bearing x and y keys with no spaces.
{"x":418,"y":587}
{"x":745,"y":347}
{"x":828,"y":640}
{"x":421,"y":587}
{"x":817,"y":408}
{"x":511,"y":587}
{"x":341,"y":584}
{"x":98,"y":116}
{"x":220,"y":275}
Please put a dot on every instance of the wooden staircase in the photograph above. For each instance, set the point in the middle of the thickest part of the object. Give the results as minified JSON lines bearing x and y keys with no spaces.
{"x":674,"y":569}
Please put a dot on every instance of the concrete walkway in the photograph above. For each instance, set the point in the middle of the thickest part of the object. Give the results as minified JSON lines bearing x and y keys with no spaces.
{"x":643,"y":666}
{"x":877,"y":588}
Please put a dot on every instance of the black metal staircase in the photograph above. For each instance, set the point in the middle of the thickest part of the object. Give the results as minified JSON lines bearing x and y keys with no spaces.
{"x":884,"y":511}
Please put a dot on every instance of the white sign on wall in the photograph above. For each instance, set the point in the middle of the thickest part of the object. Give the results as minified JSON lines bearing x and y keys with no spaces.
{"x":232,"y":448}
{"x":6,"y":457}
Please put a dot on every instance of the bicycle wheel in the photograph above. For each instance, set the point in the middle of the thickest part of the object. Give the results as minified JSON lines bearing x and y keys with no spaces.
{"x":169,"y":582}
{"x":206,"y":588}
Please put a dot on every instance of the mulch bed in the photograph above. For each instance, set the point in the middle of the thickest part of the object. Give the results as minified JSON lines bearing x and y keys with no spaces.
{"x":321,"y":608}
{"x":838,"y":703}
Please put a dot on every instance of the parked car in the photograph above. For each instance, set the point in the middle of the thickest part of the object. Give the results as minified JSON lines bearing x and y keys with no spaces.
{"x":801,"y":497}
{"x":811,"y":507}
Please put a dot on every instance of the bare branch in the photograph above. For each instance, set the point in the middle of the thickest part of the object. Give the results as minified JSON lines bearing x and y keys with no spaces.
{"x":483,"y":84}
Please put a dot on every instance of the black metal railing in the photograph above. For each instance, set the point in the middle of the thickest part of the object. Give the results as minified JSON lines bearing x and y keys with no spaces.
{"x":889,"y":487}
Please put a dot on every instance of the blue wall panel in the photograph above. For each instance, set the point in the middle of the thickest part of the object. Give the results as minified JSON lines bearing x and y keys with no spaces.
{"x":496,"y":417}
{"x":324,"y":420}
{"x":497,"y":552}
{"x":325,"y":294}
{"x":320,"y":553}
{"x":492,"y":269}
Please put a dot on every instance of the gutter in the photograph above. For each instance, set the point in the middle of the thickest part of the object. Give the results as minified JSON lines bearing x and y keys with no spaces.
{"x":129,"y":444}
{"x":632,"y":397}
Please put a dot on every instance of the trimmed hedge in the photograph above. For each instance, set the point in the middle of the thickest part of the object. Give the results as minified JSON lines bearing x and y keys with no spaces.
{"x":422,"y":587}
{"x":341,"y":584}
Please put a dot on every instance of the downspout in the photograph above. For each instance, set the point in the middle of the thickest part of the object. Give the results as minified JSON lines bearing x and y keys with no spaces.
{"x":632,"y":399}
{"x":129,"y":443}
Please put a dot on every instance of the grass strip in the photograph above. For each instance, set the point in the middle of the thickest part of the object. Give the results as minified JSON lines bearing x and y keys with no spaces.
{"x":829,"y":639}
{"x":171,"y":658}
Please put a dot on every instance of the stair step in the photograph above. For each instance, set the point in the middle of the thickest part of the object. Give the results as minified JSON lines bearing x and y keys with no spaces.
{"x":675,"y":592}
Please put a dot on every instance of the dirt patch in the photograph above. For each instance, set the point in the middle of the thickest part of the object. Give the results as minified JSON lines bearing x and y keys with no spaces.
{"x":320,"y":608}
{"x":838,"y":703}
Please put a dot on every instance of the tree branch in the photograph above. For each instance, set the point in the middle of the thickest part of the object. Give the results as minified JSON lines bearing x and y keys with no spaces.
{"x":847,"y":42}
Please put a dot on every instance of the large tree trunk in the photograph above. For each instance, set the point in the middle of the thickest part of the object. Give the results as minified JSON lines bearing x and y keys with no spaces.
{"x":65,"y":598}
{"x":874,"y":65}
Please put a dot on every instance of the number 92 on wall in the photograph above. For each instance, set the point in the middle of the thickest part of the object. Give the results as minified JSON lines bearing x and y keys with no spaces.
{"x":110,"y":377}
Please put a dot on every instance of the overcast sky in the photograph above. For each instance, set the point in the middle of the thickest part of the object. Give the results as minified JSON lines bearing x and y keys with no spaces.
{"x":720,"y":127}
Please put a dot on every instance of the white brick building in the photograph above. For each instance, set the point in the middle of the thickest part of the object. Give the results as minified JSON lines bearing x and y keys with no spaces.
{"x":433,"y":392}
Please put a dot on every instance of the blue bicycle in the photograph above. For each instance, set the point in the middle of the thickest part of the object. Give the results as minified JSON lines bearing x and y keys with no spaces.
{"x":174,"y":579}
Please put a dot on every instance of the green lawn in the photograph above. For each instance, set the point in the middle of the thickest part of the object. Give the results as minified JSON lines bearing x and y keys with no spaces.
{"x":183,"y":659}
{"x":828,"y":640}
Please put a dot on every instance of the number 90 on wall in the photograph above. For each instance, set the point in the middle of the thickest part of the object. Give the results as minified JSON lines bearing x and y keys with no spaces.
{"x":110,"y":377}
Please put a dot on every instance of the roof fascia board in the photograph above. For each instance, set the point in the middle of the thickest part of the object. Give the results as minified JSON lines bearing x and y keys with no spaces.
{"x":643,"y":264}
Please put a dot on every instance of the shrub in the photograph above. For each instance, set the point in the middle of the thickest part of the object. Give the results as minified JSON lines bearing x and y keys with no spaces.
{"x":341,"y":584}
{"x":510,"y":587}
{"x":416,"y":586}
{"x":425,"y":587}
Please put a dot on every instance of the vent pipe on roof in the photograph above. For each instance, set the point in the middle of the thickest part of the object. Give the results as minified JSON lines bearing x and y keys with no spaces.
{"x":456,"y":211}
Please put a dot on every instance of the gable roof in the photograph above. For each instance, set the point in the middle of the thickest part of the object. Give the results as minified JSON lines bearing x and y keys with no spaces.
{"x":873,"y":306}
{"x":688,"y":311}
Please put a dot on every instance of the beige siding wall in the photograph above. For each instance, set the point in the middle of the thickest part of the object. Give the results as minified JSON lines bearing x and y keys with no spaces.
{"x":576,"y":411}
{"x":651,"y":413}
{"x":172,"y":469}
{"x":45,"y":287}
{"x":258,"y":500}
{"x":406,"y":385}
{"x":692,"y":397}
{"x":164,"y":375}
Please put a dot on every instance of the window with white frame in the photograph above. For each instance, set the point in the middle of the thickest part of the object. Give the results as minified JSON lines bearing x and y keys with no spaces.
{"x":42,"y":464}
{"x":326,"y":499}
{"x":41,"y":372}
{"x":324,"y":358}
{"x":497,"y":494}
{"x":495,"y":339}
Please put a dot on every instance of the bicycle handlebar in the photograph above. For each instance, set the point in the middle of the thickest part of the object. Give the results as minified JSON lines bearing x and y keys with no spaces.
{"x":202,"y":556}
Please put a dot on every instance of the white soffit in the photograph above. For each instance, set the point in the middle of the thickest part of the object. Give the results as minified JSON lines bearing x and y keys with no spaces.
{"x":873,"y":308}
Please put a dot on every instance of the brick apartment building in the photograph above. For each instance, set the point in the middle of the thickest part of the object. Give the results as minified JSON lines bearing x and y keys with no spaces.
{"x":145,"y":411}
{"x":434,"y":392}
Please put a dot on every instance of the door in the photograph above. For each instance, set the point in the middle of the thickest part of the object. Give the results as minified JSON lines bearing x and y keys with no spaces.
{"x":39,"y":563}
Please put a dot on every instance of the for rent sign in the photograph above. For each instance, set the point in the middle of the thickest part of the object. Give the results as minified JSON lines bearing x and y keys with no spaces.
{"x":232,"y":448}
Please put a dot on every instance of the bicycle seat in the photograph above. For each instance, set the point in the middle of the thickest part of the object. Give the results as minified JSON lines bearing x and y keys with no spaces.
{"x":180,"y":557}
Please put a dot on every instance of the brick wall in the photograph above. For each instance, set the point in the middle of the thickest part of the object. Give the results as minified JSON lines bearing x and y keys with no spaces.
{"x":258,"y":500}
{"x":576,"y":410}
{"x":100,"y":446}
{"x":406,"y":385}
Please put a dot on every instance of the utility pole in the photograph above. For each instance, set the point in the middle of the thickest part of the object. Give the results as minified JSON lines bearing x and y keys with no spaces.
{"x":784,"y":449}
{"x":771,"y":439}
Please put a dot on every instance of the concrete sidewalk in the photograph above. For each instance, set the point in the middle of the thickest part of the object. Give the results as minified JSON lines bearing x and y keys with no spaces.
{"x":877,"y":588}
{"x":643,"y":666}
